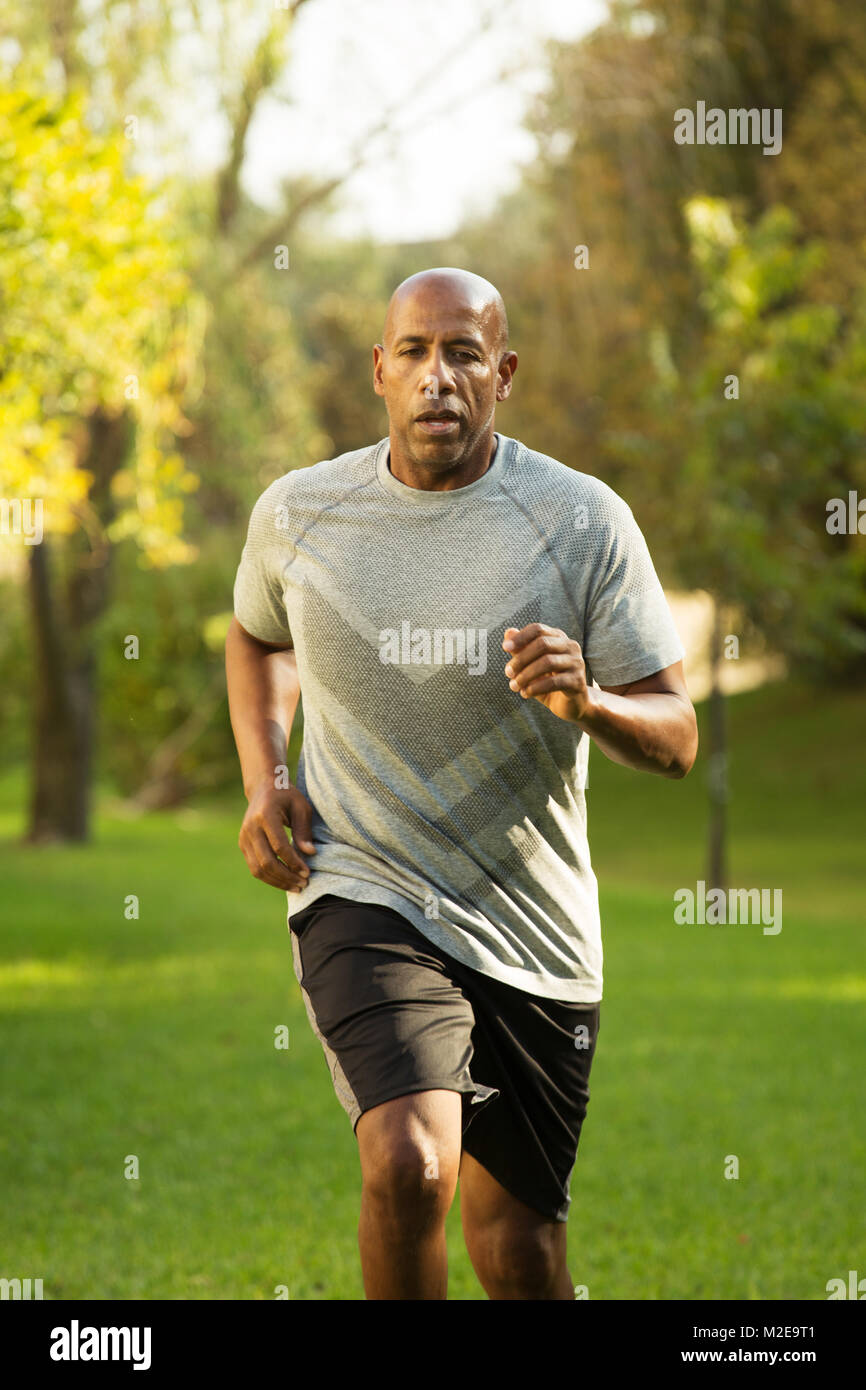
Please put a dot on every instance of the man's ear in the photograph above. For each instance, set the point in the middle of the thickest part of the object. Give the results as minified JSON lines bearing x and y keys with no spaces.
{"x":507,"y":368}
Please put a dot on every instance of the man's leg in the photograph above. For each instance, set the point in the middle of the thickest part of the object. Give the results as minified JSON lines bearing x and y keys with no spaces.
{"x":410,"y":1159}
{"x":516,"y":1252}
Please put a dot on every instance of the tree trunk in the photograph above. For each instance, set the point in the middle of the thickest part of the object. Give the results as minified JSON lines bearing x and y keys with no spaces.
{"x":61,"y":733}
{"x":717,"y":873}
{"x":64,"y":706}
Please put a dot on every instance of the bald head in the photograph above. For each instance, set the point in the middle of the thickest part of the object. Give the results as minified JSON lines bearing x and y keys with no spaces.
{"x":461,"y":288}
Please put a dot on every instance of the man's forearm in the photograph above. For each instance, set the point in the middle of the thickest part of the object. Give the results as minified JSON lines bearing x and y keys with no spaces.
{"x":263,"y":691}
{"x":650,"y":731}
{"x":649,"y":725}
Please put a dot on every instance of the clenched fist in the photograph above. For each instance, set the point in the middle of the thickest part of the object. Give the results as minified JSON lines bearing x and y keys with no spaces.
{"x":269,"y":854}
{"x":546,"y":665}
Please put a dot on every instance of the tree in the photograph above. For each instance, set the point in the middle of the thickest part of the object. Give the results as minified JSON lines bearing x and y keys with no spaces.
{"x":764,"y":428}
{"x":98,"y":336}
{"x":252,"y":397}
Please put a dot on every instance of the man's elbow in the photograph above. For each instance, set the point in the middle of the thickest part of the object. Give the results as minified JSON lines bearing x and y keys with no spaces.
{"x":684,"y":758}
{"x":679,"y":769}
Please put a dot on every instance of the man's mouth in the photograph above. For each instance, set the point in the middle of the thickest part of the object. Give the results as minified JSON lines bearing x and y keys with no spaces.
{"x":438,"y":422}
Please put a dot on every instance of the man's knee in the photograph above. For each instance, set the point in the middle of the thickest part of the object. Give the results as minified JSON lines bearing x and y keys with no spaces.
{"x":410,"y":1153}
{"x":409,"y":1175}
{"x":520,"y":1260}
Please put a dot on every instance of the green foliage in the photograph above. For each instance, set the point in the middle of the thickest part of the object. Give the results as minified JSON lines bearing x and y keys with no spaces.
{"x":172,"y":694}
{"x":148,"y":697}
{"x":98,"y":313}
{"x":255,"y":416}
{"x":751,"y":473}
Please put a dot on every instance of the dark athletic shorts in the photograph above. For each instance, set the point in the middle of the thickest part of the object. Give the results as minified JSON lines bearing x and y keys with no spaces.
{"x":395,"y":1014}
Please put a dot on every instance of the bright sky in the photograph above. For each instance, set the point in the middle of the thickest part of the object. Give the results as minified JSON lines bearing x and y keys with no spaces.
{"x":354,"y":60}
{"x":459,"y":76}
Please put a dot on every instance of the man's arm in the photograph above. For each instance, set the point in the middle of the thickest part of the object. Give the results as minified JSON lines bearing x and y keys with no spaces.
{"x":263,"y":691}
{"x":648,"y":725}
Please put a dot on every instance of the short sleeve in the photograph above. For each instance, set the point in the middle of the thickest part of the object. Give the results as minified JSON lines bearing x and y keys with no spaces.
{"x":629,"y":632}
{"x":259,"y":601}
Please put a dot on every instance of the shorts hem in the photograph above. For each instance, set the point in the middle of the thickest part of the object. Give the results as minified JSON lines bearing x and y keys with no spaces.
{"x":556,"y":1209}
{"x":479,"y":1095}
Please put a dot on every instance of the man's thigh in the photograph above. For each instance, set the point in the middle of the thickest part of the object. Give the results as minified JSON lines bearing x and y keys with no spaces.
{"x":490,"y":1212}
{"x":516,"y":1251}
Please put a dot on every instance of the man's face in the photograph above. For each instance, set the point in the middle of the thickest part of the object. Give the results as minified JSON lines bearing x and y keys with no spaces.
{"x":439,"y":373}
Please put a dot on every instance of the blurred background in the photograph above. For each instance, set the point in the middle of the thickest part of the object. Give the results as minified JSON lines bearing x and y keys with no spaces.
{"x":204,"y":209}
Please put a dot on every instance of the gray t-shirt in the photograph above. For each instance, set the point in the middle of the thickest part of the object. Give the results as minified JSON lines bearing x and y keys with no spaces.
{"x":437,"y":790}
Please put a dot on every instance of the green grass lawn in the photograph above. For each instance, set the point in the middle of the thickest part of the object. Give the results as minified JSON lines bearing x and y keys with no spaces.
{"x":155,"y":1038}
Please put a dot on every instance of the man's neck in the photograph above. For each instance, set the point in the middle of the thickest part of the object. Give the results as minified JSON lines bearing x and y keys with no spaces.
{"x":416,"y":475}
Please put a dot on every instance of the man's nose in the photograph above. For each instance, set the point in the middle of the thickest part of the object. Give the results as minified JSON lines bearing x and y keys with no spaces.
{"x":437,"y":379}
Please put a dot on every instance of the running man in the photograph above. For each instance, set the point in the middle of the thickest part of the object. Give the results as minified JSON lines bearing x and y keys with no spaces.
{"x":461,"y":615}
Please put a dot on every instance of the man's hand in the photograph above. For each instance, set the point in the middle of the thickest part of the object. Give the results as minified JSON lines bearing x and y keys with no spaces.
{"x":546,"y":665}
{"x":269,"y":854}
